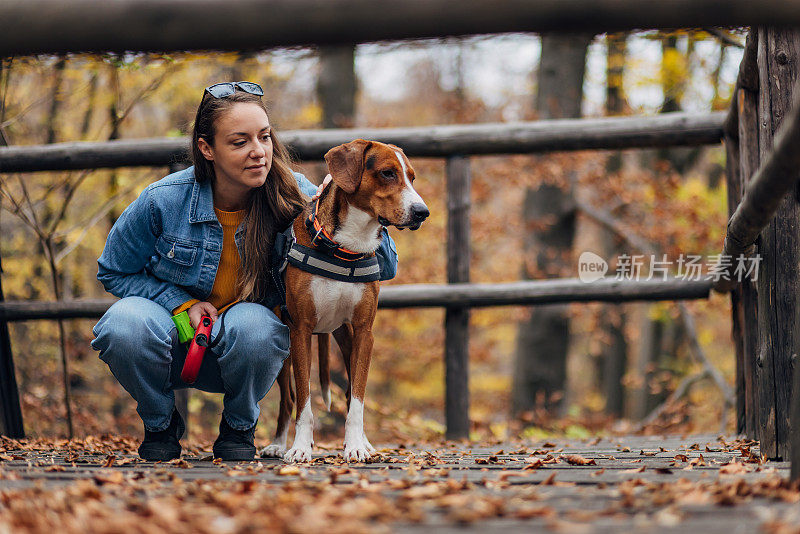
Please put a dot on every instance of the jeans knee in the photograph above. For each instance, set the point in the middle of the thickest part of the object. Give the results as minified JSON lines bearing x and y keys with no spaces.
{"x":256,"y":334}
{"x":257,"y":325}
{"x":130,"y":325}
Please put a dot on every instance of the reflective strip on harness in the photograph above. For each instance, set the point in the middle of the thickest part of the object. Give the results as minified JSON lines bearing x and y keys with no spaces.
{"x":367,"y":271}
{"x":315,"y":262}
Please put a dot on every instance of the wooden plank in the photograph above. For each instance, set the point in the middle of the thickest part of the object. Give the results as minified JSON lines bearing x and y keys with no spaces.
{"x":779,"y":279}
{"x":635,"y":484}
{"x":171,"y":25}
{"x":668,"y":129}
{"x":436,"y":295}
{"x":748,"y":163}
{"x":457,"y":317}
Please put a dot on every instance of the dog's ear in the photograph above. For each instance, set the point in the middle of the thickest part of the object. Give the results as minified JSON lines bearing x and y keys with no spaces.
{"x":346,"y":164}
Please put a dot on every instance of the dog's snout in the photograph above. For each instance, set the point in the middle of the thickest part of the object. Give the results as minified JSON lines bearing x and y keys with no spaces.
{"x":419,"y":212}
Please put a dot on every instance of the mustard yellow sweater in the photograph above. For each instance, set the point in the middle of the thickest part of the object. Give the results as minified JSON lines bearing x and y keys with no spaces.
{"x":223,"y":294}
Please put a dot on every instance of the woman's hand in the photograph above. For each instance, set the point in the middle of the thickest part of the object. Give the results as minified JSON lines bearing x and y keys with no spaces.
{"x":200,"y":309}
{"x":322,"y":186}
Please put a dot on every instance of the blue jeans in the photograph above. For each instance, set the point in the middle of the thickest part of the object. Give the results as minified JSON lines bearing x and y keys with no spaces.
{"x":138,"y":340}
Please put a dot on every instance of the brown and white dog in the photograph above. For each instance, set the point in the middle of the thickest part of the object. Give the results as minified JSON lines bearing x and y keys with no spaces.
{"x":372,"y":187}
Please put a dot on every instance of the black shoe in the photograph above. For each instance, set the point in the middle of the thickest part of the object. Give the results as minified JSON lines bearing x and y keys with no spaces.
{"x":235,"y":445}
{"x":164,"y":445}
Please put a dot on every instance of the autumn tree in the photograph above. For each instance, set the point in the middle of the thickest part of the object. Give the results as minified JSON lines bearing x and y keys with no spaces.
{"x":336,"y":86}
{"x":613,"y":345}
{"x":549,"y":218}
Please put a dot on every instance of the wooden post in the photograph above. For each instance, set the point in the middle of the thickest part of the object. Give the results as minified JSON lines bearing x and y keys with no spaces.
{"x":734,"y":196}
{"x":456,"y":320}
{"x":741,"y":143}
{"x":779,"y":247}
{"x":9,"y":394}
{"x":747,"y":290}
{"x":794,"y":439}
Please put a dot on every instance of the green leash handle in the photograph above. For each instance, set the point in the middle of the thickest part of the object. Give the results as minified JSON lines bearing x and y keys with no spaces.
{"x":184,"y":326}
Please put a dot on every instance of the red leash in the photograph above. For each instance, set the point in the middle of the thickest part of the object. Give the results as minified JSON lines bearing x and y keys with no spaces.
{"x":194,"y":358}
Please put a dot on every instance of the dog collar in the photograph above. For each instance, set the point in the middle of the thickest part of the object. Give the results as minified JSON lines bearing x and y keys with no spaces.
{"x":322,"y":240}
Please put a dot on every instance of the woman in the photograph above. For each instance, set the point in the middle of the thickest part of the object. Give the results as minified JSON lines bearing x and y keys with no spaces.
{"x":200,"y":240}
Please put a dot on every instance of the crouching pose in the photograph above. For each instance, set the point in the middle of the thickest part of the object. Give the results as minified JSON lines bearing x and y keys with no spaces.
{"x":199,"y":241}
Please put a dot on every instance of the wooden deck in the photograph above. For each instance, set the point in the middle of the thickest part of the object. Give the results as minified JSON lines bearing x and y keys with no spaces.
{"x":629,"y":484}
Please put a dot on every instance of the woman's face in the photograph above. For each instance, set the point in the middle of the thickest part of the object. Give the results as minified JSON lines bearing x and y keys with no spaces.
{"x":242,"y":151}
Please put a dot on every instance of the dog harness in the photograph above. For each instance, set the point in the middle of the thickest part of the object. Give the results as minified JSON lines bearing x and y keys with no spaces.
{"x":323,"y":262}
{"x":324,"y":258}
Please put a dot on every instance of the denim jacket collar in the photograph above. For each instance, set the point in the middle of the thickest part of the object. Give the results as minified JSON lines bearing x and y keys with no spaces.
{"x":202,"y":204}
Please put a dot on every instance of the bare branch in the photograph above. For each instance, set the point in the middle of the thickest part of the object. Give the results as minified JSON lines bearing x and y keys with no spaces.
{"x":31,"y":210}
{"x":71,"y":188}
{"x":679,"y":392}
{"x":618,"y":227}
{"x":144,"y":92}
{"x":713,"y":372}
{"x":17,"y":207}
{"x":87,"y":224}
{"x":725,"y":37}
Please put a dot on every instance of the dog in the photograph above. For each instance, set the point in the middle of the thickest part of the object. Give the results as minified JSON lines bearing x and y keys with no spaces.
{"x":371,"y":187}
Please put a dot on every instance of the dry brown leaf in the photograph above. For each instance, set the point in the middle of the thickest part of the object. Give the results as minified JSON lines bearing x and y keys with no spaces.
{"x":549,"y":481}
{"x":109,"y":477}
{"x":531,"y":512}
{"x":733,"y":468}
{"x":638,"y":470}
{"x":289,"y":470}
{"x":576,"y":459}
{"x":533,"y":463}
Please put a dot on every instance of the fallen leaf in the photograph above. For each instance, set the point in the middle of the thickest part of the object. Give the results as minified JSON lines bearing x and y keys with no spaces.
{"x":639,"y":470}
{"x":289,"y":470}
{"x":575,"y":459}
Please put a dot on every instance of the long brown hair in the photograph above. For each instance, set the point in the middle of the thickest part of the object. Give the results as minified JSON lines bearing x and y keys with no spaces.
{"x":272,"y":207}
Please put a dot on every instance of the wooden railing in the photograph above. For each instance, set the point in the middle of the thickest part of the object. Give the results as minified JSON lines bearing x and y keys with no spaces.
{"x":127,"y":25}
{"x":451,"y":142}
{"x":168,"y":25}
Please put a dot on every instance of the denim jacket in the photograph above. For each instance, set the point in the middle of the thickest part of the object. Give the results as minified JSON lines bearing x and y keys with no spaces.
{"x":167,"y":243}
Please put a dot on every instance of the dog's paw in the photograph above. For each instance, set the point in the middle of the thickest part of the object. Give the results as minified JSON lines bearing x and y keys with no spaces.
{"x":298,"y":454}
{"x":356,"y":454}
{"x":358,"y":450}
{"x":369,"y":446}
{"x":273,"y":450}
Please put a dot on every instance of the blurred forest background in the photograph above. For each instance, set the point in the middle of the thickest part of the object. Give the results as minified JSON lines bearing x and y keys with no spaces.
{"x":574,"y":370}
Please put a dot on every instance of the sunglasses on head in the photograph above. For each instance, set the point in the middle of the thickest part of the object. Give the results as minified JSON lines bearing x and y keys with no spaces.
{"x":221,"y":90}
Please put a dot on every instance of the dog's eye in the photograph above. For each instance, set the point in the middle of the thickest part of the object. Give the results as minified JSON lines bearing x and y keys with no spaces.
{"x":388,"y":174}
